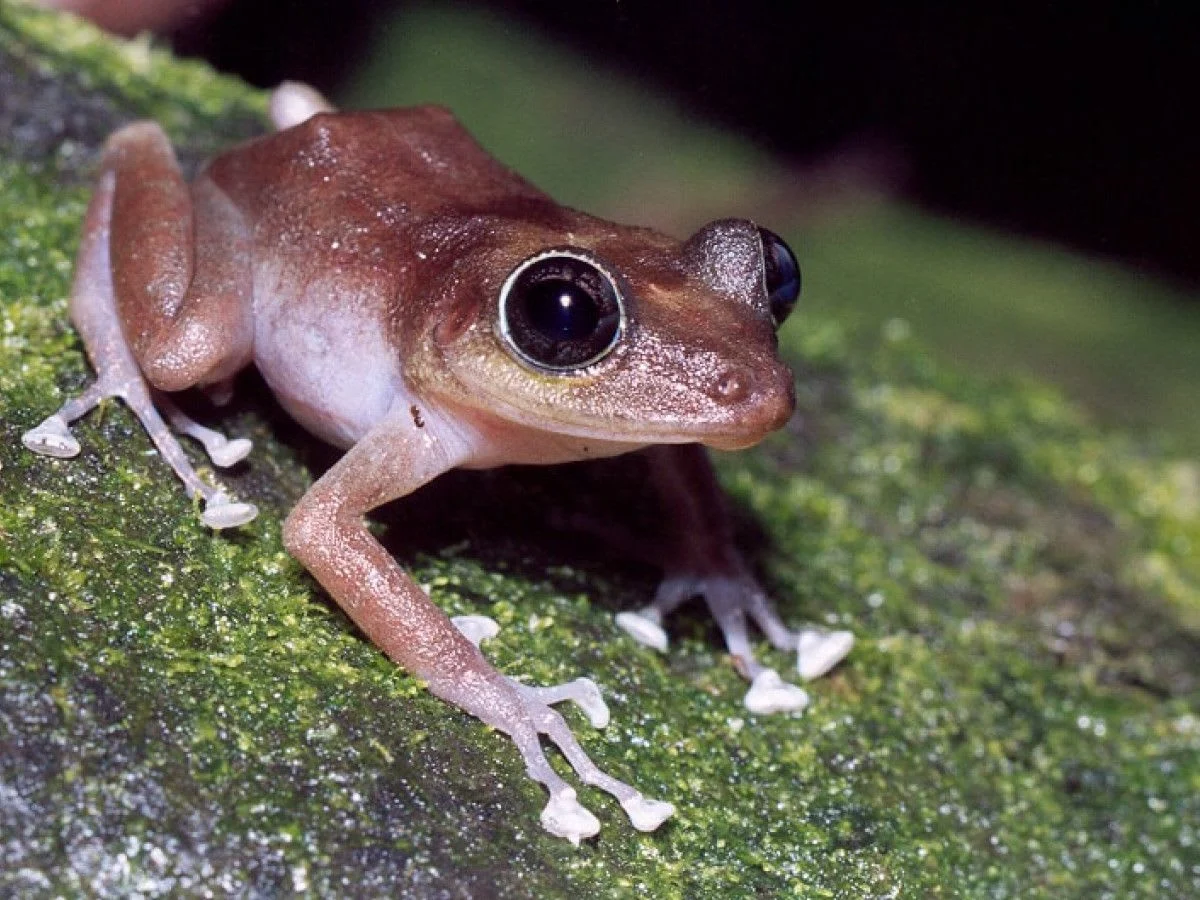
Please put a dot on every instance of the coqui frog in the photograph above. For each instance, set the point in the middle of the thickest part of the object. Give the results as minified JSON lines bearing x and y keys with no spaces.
{"x":412,"y":301}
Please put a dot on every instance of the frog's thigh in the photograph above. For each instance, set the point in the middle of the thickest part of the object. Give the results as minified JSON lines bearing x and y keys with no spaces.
{"x":180,"y":264}
{"x":94,"y":311}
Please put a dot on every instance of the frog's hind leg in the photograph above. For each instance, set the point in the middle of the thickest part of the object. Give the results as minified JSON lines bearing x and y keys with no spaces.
{"x":94,"y":310}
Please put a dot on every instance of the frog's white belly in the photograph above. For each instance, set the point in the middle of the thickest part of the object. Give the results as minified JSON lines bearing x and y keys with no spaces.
{"x":327,"y":359}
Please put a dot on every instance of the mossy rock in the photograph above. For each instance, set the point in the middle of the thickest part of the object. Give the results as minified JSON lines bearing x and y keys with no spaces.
{"x":184,"y":713}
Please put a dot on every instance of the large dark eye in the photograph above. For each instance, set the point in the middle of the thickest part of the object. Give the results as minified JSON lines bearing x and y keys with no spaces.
{"x":560,"y":311}
{"x":781,"y":274}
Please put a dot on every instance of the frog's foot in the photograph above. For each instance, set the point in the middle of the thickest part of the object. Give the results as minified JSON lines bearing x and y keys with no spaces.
{"x":224,"y":452}
{"x":220,"y":510}
{"x":53,"y":438}
{"x":564,"y":816}
{"x":583,"y":691}
{"x":732,"y":598}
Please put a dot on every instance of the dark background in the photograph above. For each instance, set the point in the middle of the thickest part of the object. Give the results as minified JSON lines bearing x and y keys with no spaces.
{"x":1072,"y":123}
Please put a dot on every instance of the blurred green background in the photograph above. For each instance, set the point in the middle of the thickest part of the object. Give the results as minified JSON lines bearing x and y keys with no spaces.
{"x":1127,"y":346}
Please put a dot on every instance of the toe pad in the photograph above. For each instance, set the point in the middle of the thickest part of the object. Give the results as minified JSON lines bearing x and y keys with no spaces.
{"x":771,"y":694}
{"x":564,"y":816}
{"x":647,"y":814}
{"x":51,"y":438}
{"x":476,"y":629}
{"x":818,"y":651}
{"x":221,"y":512}
{"x":587,"y":695}
{"x":230,"y":453}
{"x":643,"y":630}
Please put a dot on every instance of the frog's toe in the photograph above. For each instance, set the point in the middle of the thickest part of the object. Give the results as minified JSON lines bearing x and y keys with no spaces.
{"x":644,"y":628}
{"x":647,"y":814}
{"x":586,"y":695}
{"x":583,"y":692}
{"x":818,"y":650}
{"x":220,"y":511}
{"x":228,"y":452}
{"x":564,"y":816}
{"x":52,"y":438}
{"x":293,"y":103}
{"x":771,"y":694}
{"x":476,"y":629}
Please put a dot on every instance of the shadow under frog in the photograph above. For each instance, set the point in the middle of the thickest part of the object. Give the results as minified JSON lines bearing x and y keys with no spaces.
{"x":414,"y":303}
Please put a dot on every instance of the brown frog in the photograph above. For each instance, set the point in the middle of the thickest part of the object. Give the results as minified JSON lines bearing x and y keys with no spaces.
{"x":414,"y":302}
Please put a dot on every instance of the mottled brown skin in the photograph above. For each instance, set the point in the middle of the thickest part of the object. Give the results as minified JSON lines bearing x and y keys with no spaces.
{"x":356,"y":259}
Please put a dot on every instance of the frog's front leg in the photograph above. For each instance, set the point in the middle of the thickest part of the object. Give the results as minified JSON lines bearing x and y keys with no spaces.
{"x":160,"y":294}
{"x":702,"y":561}
{"x":327,"y":533}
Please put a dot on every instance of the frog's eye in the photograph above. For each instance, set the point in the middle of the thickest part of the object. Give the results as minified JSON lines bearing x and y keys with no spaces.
{"x":560,"y":311}
{"x":781,"y":275}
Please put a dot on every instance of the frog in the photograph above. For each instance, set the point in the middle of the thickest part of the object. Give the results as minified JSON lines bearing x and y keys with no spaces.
{"x":413,"y":302}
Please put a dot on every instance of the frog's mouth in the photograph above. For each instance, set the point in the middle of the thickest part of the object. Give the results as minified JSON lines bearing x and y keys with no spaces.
{"x":748,"y":426}
{"x":733,"y":442}
{"x":663,"y":395}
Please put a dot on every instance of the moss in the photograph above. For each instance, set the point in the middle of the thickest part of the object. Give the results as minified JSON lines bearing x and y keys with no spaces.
{"x":182,"y":711}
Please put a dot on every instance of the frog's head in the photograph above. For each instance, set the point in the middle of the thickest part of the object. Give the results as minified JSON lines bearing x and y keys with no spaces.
{"x":622,"y":334}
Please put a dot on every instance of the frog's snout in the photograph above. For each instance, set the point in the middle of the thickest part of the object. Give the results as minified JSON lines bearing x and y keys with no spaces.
{"x":760,"y":399}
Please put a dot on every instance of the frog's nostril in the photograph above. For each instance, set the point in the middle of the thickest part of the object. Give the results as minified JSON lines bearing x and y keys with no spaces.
{"x":731,"y":386}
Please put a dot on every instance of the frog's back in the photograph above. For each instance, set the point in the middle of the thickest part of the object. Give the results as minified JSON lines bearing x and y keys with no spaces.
{"x":387,"y":165}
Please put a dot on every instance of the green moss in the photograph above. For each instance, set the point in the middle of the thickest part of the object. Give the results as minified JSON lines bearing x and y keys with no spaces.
{"x":182,"y":711}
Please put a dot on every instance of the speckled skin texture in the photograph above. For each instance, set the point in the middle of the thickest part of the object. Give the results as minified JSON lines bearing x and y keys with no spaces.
{"x":356,"y":259}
